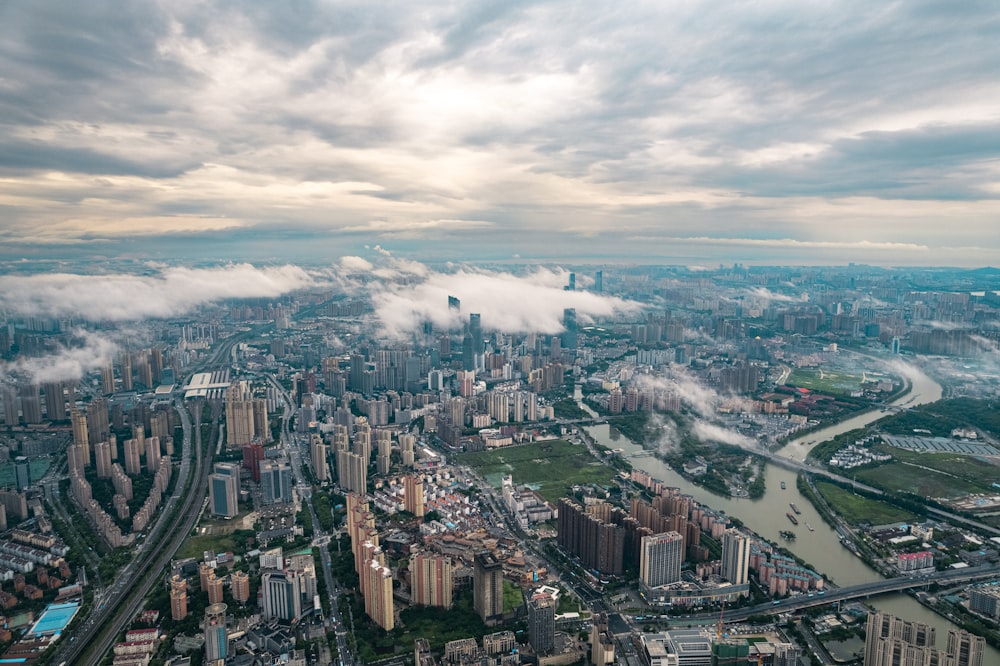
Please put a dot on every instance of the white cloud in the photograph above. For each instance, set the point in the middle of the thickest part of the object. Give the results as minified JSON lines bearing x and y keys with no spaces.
{"x":125,"y":297}
{"x":87,"y":352}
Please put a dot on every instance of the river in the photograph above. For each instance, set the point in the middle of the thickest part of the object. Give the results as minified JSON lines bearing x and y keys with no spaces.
{"x":821,"y":548}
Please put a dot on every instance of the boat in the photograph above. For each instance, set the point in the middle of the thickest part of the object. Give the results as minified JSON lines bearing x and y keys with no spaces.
{"x":787,"y":534}
{"x":791,"y":517}
{"x":794,"y":508}
{"x":782,"y":485}
{"x":810,"y":527}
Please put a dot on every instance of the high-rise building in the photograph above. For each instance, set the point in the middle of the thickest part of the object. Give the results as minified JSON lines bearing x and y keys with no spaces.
{"x":599,"y":281}
{"x":55,"y":402}
{"x":377,"y":588}
{"x":967,"y":649}
{"x":352,"y":472}
{"x":133,"y":464}
{"x":406,"y":442}
{"x":223,"y":490}
{"x":890,"y":641}
{"x":239,"y":586}
{"x":178,"y":598}
{"x":102,"y":458}
{"x":239,"y":415}
{"x":280,"y":595}
{"x":488,"y":587}
{"x":152,"y":454}
{"x":214,"y":588}
{"x":81,"y":434}
{"x":431,"y":579}
{"x":216,"y":634}
{"x":413,"y":495}
{"x":108,"y":378}
{"x":660,"y":559}
{"x":11,"y":406}
{"x":382,"y":459}
{"x":22,"y":473}
{"x":569,"y":336}
{"x":735,"y":557}
{"x":542,"y":623}
{"x":98,"y":423}
{"x":318,"y":452}
{"x":276,"y":482}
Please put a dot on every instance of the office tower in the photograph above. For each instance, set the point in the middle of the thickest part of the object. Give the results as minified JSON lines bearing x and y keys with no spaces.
{"x":178,"y":598}
{"x":569,"y":336}
{"x":261,"y":427}
{"x":454,"y":304}
{"x":413,"y":494}
{"x":352,"y":472}
{"x":660,"y":559}
{"x":318,"y":451}
{"x":472,"y":344}
{"x":967,"y":649}
{"x":55,"y":402}
{"x":280,"y":595}
{"x":126,"y":371}
{"x":239,"y":586}
{"x":488,"y":587}
{"x":431,"y":579}
{"x":223,"y":490}
{"x":276,"y":482}
{"x":133,"y":466}
{"x":542,"y":623}
{"x":735,"y":557}
{"x":102,"y":458}
{"x":599,"y":281}
{"x":216,"y":636}
{"x":98,"y":423}
{"x":22,"y":473}
{"x":214,"y":588}
{"x":253,"y":455}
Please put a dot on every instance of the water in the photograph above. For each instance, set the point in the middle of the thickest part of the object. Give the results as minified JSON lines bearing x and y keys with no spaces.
{"x":766,"y":516}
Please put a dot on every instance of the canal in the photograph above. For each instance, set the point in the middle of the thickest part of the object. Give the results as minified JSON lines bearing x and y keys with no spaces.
{"x":821,"y":547}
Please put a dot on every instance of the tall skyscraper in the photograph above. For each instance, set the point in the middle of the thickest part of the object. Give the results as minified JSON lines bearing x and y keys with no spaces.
{"x":133,"y":464}
{"x":55,"y":402}
{"x":487,"y":587}
{"x":542,"y":623}
{"x":569,"y":336}
{"x":239,"y":586}
{"x":967,"y":649}
{"x":102,"y":458}
{"x":890,"y":641}
{"x":660,"y":559}
{"x":735,"y":557}
{"x":81,"y":433}
{"x":216,"y":635}
{"x":98,"y":423}
{"x":223,"y":490}
{"x":352,"y":472}
{"x":239,"y":415}
{"x":599,"y":281}
{"x":22,"y":473}
{"x":431,"y":579}
{"x":377,"y":588}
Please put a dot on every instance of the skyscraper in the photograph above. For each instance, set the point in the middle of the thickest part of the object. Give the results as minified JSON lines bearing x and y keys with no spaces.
{"x":239,"y":415}
{"x":102,"y":458}
{"x":735,"y":557}
{"x":569,"y":336}
{"x":413,"y":495}
{"x":133,"y":465}
{"x":542,"y":623}
{"x":280,"y":595}
{"x":352,"y":472}
{"x":890,"y":640}
{"x":276,"y":482}
{"x":55,"y":402}
{"x":966,"y":648}
{"x":660,"y":559}
{"x":81,"y":434}
{"x":239,"y":586}
{"x":223,"y":490}
{"x":488,"y":587}
{"x":216,"y":635}
{"x":178,"y":598}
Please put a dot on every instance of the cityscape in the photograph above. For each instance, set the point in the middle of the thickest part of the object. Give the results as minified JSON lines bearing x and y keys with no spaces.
{"x":498,"y":333}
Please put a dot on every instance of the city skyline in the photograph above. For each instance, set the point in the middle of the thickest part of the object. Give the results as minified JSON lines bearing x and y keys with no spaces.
{"x":688,"y":134}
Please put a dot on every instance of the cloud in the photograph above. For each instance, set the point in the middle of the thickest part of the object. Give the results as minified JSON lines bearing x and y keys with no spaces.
{"x":710,"y":432}
{"x":123,"y":297}
{"x":511,"y":303}
{"x":85,"y":352}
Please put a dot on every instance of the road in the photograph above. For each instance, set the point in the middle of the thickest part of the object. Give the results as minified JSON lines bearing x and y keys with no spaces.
{"x":294,"y":449}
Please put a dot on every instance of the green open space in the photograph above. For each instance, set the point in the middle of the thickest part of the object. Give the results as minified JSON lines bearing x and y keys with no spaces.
{"x":824,"y":381}
{"x":916,"y":479}
{"x":38,"y":467}
{"x":857,"y":509}
{"x":552,"y":466}
{"x":963,"y":474}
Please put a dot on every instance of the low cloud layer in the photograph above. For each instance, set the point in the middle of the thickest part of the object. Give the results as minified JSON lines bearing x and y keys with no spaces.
{"x":86,"y":352}
{"x":122,"y":297}
{"x":506,"y":302}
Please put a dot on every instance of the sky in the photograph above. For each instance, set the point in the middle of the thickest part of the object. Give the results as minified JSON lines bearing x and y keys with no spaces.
{"x":646,"y":132}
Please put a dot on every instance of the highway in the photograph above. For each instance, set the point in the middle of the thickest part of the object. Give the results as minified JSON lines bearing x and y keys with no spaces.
{"x":801,"y":601}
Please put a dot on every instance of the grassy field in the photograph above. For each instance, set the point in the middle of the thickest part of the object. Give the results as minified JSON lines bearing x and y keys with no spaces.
{"x":552,"y":467}
{"x":855,"y":509}
{"x":38,"y":468}
{"x":824,"y":381}
{"x":962,"y":472}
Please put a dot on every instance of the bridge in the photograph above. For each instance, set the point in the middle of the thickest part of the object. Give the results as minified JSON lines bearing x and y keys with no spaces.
{"x":857,"y":591}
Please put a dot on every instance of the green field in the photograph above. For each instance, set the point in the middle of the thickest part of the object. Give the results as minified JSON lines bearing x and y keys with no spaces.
{"x":552,"y":467}
{"x":824,"y":381}
{"x":856,"y":509}
{"x":966,"y":473}
{"x":918,"y":480}
{"x":38,"y":467}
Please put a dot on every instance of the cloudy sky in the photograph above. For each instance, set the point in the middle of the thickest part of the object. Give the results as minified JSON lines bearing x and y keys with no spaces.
{"x":780,"y":132}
